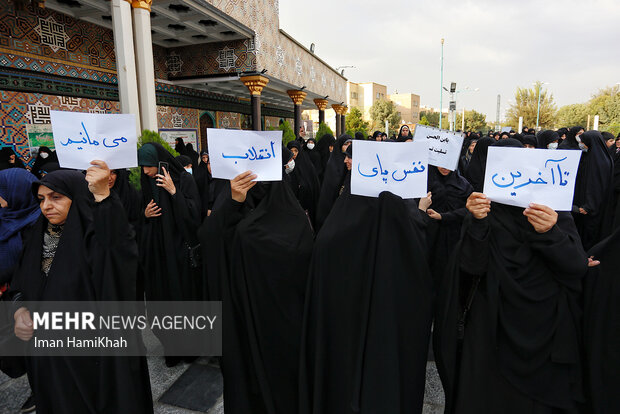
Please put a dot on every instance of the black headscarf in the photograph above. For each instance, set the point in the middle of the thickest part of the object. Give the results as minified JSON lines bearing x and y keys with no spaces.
{"x":304,"y":181}
{"x":322,"y":147}
{"x":377,"y":303}
{"x":375,"y":135}
{"x":5,"y":156}
{"x":571,"y":142}
{"x":546,"y":137}
{"x":594,"y":190}
{"x":203,"y":179}
{"x":529,"y":140}
{"x":478,"y":164}
{"x":180,"y":146}
{"x":192,"y":154}
{"x":401,"y":137}
{"x":314,"y":155}
{"x":40,"y":160}
{"x":96,"y":260}
{"x":332,"y":181}
{"x":129,"y":196}
{"x":359,"y":136}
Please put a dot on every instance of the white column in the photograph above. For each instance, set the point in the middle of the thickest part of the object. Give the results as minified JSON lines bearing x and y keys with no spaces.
{"x":144,"y":63}
{"x":125,"y":59}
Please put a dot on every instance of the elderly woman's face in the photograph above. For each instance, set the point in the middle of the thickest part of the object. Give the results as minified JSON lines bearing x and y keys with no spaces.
{"x":54,"y":206}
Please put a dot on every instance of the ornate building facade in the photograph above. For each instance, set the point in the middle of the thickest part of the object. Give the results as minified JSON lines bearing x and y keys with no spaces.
{"x":181,"y":66}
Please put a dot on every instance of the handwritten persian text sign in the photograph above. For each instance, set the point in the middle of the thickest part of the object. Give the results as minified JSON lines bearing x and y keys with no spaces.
{"x":83,"y":137}
{"x":400,"y":168}
{"x":520,"y":176}
{"x":444,"y":147}
{"x":232,"y":152}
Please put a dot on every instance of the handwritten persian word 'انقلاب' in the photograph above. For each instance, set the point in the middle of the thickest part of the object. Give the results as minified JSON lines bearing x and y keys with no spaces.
{"x":253,"y":155}
{"x":385,"y":174}
{"x":85,"y":139}
{"x":552,"y":175}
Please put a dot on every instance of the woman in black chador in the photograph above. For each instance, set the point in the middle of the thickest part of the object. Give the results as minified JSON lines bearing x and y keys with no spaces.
{"x":518,"y":275}
{"x":168,"y":241}
{"x":82,"y":248}
{"x":368,"y":310}
{"x":259,"y":244}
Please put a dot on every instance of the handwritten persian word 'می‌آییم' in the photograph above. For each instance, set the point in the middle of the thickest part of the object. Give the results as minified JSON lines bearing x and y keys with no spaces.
{"x":396,"y":174}
{"x":253,"y":155}
{"x":552,"y":175}
{"x":85,"y":139}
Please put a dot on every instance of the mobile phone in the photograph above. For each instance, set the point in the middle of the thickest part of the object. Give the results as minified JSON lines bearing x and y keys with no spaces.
{"x":162,"y":164}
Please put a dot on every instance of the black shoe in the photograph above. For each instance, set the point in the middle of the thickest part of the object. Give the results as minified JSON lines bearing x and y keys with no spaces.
{"x":172,"y":361}
{"x":29,"y":406}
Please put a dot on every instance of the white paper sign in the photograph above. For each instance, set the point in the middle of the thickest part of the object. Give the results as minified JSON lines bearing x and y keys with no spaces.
{"x":82,"y":137}
{"x":232,"y":152}
{"x":520,"y":176}
{"x":444,"y":147}
{"x":400,"y":168}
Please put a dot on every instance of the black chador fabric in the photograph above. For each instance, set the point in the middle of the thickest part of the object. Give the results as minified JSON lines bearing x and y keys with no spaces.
{"x":44,"y":156}
{"x":615,"y":155}
{"x":520,"y":351}
{"x":546,"y":137}
{"x":192,"y":154}
{"x":477,"y":165}
{"x":594,"y":191}
{"x":261,"y":270}
{"x":304,"y":181}
{"x":202,"y":176}
{"x":449,"y":195}
{"x":96,"y":260}
{"x":129,"y":196}
{"x":368,"y":311}
{"x":314,"y":156}
{"x":570,"y":142}
{"x":322,"y":147}
{"x":333,"y":180}
{"x":165,"y":240}
{"x":602,"y":328}
{"x":219,"y":192}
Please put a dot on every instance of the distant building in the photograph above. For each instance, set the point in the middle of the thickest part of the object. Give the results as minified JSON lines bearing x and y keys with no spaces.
{"x":364,"y":95}
{"x":408,"y":104}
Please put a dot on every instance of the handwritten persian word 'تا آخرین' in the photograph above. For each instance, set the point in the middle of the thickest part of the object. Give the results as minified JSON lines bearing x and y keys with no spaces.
{"x":385,"y":173}
{"x":253,"y":155}
{"x":86,"y":139}
{"x":554,"y":176}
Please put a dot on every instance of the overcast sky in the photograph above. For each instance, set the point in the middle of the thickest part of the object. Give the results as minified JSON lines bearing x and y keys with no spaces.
{"x":493,"y":45}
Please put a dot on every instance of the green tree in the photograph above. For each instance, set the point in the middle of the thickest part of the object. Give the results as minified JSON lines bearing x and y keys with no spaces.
{"x":526,"y":105}
{"x":355,"y":123}
{"x":606,"y":104}
{"x":323,"y":130}
{"x":148,"y":136}
{"x":474,"y":121}
{"x":572,"y":115}
{"x":383,"y":110}
{"x":288,"y":134}
{"x":424,"y":120}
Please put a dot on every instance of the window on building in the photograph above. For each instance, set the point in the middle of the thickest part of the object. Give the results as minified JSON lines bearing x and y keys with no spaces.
{"x":353,"y":95}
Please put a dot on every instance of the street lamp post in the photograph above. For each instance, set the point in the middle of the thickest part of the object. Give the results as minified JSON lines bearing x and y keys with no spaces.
{"x":539,"y":84}
{"x":441,"y":87}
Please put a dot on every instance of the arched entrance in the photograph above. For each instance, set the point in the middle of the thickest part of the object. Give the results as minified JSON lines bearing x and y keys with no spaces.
{"x":206,"y":121}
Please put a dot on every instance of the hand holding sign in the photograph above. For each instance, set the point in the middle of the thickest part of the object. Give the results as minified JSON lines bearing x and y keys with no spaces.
{"x":82,"y":137}
{"x":233,"y":152}
{"x":241,"y":184}
{"x":97,"y":177}
{"x":542,"y":218}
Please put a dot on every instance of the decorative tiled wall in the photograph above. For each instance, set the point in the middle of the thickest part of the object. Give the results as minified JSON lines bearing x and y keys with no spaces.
{"x":18,"y":110}
{"x":42,"y":40}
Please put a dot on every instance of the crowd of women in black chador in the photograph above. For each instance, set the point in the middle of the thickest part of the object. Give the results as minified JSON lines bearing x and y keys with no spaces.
{"x":328,"y":297}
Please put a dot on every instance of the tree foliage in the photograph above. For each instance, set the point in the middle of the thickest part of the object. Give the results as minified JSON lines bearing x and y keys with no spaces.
{"x":355,"y":123}
{"x":323,"y":130}
{"x":605,"y":103}
{"x":288,"y":134}
{"x":424,"y":120}
{"x":526,"y":105}
{"x":383,"y":110}
{"x":474,"y":121}
{"x":572,"y":115}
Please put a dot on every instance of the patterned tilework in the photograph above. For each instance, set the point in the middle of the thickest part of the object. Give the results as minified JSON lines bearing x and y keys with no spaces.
{"x":228,"y":120}
{"x":17,"y":109}
{"x":205,"y":59}
{"x":282,"y":57}
{"x":271,"y":122}
{"x":175,"y":117}
{"x":45,"y":41}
